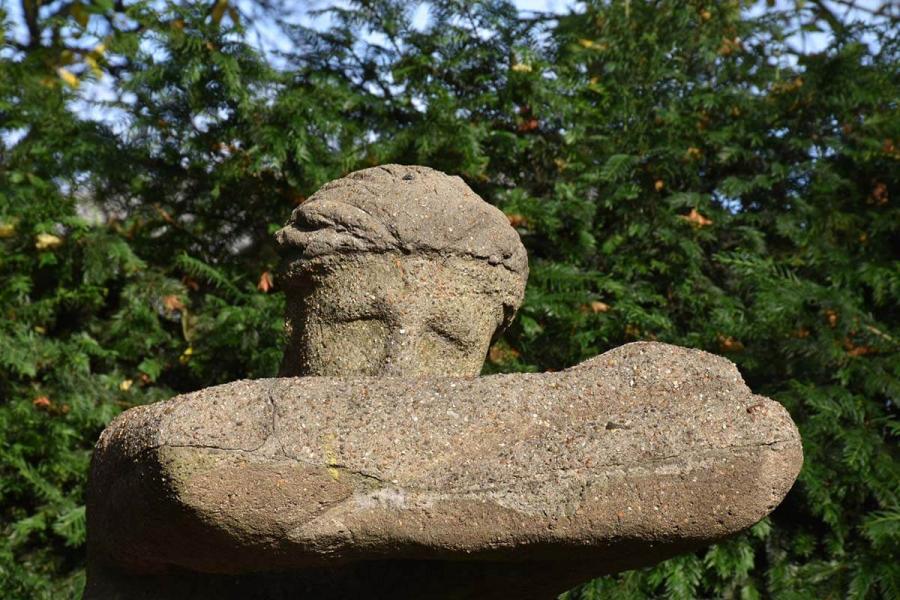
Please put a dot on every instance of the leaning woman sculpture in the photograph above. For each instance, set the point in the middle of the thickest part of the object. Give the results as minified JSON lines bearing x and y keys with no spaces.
{"x":381,"y":465}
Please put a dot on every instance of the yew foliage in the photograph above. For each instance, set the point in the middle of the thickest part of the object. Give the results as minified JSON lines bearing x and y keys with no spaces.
{"x":679,"y":171}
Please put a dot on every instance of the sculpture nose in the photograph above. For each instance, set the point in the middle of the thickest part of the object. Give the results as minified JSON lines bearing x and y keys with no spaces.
{"x":401,"y":357}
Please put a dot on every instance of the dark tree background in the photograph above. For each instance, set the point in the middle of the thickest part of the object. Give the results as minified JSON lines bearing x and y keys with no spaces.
{"x":680,"y":171}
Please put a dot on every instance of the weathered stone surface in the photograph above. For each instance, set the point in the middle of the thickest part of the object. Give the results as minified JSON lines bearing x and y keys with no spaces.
{"x":397,"y":270}
{"x":425,"y":481}
{"x":400,"y":209}
{"x":638,"y":454}
{"x":392,"y":315}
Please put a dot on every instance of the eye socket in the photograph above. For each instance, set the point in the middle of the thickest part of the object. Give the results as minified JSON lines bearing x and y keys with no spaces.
{"x":465,"y":323}
{"x":457,"y":347}
{"x":458,"y":338}
{"x":435,"y":338}
{"x":356,"y":317}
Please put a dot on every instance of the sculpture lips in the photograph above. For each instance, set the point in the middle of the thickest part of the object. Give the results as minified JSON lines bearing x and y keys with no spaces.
{"x":641,"y":453}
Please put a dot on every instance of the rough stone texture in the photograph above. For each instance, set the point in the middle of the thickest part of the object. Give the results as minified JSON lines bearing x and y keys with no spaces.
{"x":397,"y":270}
{"x":404,"y":210}
{"x":467,"y":485}
{"x":395,"y":472}
{"x":397,"y":315}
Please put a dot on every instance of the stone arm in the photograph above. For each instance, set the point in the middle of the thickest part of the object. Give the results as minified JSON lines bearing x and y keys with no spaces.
{"x":639,"y":454}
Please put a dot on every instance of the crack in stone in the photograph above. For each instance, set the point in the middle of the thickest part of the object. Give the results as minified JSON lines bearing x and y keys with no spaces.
{"x":534,"y":479}
{"x":274,"y":423}
{"x":345,"y":469}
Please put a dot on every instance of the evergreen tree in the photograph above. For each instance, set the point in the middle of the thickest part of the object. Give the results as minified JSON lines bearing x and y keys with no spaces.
{"x":679,"y":171}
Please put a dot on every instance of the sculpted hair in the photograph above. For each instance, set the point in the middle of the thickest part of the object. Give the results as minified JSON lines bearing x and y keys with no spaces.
{"x":404,"y":210}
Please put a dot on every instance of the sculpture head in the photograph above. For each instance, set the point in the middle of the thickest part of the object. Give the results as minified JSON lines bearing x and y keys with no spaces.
{"x":397,"y":270}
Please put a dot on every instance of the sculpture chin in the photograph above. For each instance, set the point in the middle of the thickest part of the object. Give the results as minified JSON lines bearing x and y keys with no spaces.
{"x":639,"y":454}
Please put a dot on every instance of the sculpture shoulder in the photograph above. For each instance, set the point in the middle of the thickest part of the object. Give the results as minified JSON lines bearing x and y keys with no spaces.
{"x":663,"y":362}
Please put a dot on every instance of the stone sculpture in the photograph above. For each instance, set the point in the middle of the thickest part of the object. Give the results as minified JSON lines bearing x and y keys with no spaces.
{"x":397,"y":271}
{"x":390,"y":469}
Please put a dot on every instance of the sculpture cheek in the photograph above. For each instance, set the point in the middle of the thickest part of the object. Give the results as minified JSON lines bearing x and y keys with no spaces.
{"x":455,"y":353}
{"x":355,"y":347}
{"x":420,"y":350}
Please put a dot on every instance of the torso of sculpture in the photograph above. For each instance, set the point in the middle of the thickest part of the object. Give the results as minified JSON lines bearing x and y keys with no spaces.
{"x":381,"y":465}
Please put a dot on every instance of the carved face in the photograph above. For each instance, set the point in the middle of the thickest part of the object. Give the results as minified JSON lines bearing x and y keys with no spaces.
{"x":394,"y":315}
